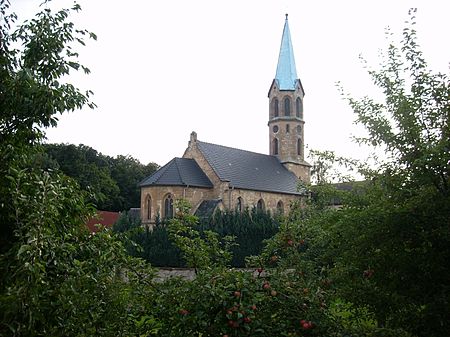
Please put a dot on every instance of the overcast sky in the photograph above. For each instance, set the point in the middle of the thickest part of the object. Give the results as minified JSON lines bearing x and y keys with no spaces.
{"x":161,"y":69}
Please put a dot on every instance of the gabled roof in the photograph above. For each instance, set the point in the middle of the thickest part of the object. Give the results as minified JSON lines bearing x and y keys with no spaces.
{"x":286,"y":75}
{"x":179,"y":172}
{"x":249,"y":170}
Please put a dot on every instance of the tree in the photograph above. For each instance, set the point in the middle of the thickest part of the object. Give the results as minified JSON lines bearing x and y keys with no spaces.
{"x":48,"y":259}
{"x":388,"y":246}
{"x":128,"y":172}
{"x":31,"y":91}
{"x":113,"y":183}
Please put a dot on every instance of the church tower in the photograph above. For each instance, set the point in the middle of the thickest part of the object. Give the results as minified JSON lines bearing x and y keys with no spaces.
{"x":286,"y":118}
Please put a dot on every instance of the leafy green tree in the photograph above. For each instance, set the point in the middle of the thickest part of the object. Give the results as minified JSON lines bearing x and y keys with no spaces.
{"x":113,"y":183}
{"x":388,"y":246}
{"x":32,"y":93}
{"x":128,"y":172}
{"x":90,"y":169}
{"x":56,"y":279}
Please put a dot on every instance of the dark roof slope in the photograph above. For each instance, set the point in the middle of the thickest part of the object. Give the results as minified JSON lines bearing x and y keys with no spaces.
{"x":207,"y":208}
{"x":179,"y":172}
{"x":249,"y":170}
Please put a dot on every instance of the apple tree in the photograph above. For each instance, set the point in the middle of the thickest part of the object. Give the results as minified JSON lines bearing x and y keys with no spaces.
{"x":56,"y":278}
{"x":388,"y":246}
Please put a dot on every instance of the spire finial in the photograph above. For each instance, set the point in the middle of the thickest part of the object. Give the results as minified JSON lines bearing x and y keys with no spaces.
{"x":286,"y":16}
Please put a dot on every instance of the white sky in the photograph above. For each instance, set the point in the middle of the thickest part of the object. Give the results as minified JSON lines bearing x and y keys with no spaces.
{"x":161,"y":69}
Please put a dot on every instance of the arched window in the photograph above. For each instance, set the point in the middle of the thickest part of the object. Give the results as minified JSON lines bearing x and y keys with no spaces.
{"x":260,"y":205}
{"x":239,"y":205}
{"x":287,"y":106}
{"x":299,"y":108}
{"x":280,"y":207}
{"x":299,"y":147}
{"x":275,"y":146}
{"x":168,"y":206}
{"x":275,"y":107}
{"x":288,"y":129}
{"x":148,"y":207}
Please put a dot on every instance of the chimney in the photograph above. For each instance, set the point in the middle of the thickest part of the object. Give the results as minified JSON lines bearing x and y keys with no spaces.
{"x":193,"y":138}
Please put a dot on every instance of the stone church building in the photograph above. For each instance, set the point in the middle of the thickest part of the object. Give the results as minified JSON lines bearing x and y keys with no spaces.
{"x":214,"y":176}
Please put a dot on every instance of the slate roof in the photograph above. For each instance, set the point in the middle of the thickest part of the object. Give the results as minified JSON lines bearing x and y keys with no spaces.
{"x":207,"y":208}
{"x":286,"y":74}
{"x":179,"y":172}
{"x":249,"y":170}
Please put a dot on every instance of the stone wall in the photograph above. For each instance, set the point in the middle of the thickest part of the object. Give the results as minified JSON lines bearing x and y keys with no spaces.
{"x":194,"y":195}
{"x":251,"y":198}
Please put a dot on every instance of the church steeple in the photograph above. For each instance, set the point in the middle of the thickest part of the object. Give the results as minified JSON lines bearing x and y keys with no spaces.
{"x":286,"y":119}
{"x":286,"y":75}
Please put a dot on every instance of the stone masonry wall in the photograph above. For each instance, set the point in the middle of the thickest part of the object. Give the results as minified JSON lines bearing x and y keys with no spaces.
{"x":158,"y":194}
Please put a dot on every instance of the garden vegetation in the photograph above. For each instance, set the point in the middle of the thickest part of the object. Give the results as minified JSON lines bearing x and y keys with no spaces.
{"x":376,"y":266}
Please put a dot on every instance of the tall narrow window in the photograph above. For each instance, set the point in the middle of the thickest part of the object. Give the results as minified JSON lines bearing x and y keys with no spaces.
{"x":239,"y":205}
{"x":287,"y":106}
{"x":275,"y":146}
{"x":299,"y":147}
{"x":280,"y":207}
{"x":260,"y":205}
{"x":148,"y":207}
{"x":168,"y":207}
{"x":299,"y":108}
{"x":288,"y":128}
{"x":275,"y":107}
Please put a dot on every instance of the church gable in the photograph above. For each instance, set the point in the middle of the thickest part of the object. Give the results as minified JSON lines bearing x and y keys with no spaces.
{"x":249,"y":170}
{"x":193,"y":152}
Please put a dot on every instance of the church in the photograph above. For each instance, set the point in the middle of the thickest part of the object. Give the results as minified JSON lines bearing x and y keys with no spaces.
{"x":212,"y":176}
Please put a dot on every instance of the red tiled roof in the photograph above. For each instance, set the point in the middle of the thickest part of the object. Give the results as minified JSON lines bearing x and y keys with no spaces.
{"x":104,"y":218}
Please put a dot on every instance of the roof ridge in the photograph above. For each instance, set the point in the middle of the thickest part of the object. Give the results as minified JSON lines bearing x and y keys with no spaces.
{"x":235,"y":148}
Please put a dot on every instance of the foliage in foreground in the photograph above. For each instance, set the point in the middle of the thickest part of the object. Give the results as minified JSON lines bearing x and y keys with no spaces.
{"x":388,"y":247}
{"x":375,"y":267}
{"x":249,"y":228}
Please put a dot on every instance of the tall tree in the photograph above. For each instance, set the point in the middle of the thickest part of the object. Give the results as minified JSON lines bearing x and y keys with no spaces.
{"x":111,"y":181}
{"x":48,"y":260}
{"x":32,"y":92}
{"x":389,"y":246}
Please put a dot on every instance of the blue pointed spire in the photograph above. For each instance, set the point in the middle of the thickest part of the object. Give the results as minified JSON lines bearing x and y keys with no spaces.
{"x":286,"y":75}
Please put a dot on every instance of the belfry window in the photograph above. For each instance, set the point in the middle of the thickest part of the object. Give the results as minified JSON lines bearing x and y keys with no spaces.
{"x":275,"y":146}
{"x":299,"y":147}
{"x":299,"y":108}
{"x":275,"y":107}
{"x":168,"y":207}
{"x":287,"y":106}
